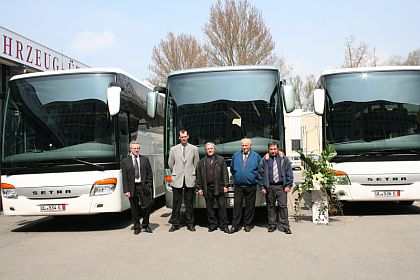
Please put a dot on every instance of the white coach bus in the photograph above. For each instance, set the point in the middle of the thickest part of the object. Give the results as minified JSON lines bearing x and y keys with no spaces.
{"x":224,"y":105}
{"x":63,"y":136}
{"x":372,"y":117}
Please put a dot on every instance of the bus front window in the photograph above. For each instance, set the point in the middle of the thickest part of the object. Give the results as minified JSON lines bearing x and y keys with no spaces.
{"x":55,"y":118}
{"x":224,"y":107}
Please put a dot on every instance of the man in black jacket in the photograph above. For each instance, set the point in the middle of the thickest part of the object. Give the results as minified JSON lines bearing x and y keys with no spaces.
{"x":137,"y":179}
{"x":275,"y":179}
{"x":212,"y":182}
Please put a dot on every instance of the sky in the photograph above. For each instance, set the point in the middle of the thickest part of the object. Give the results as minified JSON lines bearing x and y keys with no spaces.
{"x":309,"y":34}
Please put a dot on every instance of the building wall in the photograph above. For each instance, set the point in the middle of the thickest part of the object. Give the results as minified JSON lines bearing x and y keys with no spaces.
{"x":305,"y":127}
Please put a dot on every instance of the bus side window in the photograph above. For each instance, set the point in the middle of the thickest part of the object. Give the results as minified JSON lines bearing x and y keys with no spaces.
{"x":123,"y":134}
{"x":133,"y":127}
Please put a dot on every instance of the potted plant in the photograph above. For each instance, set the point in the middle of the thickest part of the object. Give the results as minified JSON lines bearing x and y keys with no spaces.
{"x":319,"y":181}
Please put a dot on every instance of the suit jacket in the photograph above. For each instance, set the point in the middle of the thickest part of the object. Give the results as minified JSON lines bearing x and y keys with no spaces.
{"x":285,"y":169}
{"x":128,"y":177}
{"x":183,"y":168}
{"x":221,"y":177}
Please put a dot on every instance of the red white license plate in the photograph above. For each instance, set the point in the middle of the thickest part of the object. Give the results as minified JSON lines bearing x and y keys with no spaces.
{"x":387,"y":193}
{"x":53,"y":207}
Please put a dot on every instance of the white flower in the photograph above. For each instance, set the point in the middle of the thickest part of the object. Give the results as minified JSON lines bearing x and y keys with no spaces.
{"x":319,"y":178}
{"x":317,"y":186}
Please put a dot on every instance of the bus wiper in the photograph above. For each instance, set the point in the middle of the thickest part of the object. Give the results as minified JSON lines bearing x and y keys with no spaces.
{"x":395,"y":151}
{"x":96,"y":166}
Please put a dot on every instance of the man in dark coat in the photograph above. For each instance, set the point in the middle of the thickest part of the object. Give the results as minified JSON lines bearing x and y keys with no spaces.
{"x":212,"y":182}
{"x":137,"y":179}
{"x":275,"y":179}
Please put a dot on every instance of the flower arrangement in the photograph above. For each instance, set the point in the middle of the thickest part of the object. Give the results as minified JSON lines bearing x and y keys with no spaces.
{"x":319,"y":176}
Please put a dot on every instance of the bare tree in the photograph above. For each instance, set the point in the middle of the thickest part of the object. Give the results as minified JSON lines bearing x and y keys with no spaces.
{"x":308,"y":89}
{"x":394,"y":60}
{"x":358,"y":56}
{"x":236,"y":35}
{"x":174,"y":53}
{"x":413,"y":58}
{"x":298,"y":85}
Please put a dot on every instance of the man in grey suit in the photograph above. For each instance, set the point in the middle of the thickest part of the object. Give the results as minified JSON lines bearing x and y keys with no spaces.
{"x":183,"y":160}
{"x":137,"y":179}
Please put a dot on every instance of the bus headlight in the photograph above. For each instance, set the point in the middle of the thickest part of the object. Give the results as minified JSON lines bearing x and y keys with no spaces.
{"x":103,"y":187}
{"x":8,"y":191}
{"x":341,"y":178}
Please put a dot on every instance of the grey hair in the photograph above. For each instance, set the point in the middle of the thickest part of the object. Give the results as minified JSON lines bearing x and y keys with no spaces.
{"x":210,"y":143}
{"x":246,"y":139}
{"x":134,"y":143}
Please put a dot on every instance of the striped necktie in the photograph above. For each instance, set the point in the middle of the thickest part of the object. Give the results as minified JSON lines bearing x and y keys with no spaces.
{"x":275,"y":171}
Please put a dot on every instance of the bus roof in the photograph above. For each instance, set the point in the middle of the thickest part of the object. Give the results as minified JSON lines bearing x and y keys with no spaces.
{"x":223,"y":68}
{"x":369,"y":69}
{"x":82,"y":71}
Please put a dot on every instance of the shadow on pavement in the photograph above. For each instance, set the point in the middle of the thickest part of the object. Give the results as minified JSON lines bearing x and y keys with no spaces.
{"x":379,"y":208}
{"x":97,"y":222}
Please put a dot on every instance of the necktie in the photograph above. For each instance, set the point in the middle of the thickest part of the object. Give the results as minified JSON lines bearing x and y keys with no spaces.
{"x":136,"y":168}
{"x":183,"y":152}
{"x":245,"y":158}
{"x":275,"y":171}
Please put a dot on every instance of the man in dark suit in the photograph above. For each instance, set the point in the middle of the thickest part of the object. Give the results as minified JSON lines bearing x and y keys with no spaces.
{"x":275,"y":180}
{"x":137,"y":179}
{"x":212,"y":182}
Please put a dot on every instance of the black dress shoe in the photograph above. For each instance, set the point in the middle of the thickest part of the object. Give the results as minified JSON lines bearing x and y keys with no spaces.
{"x":211,"y":229}
{"x":233,"y":230}
{"x":137,"y":231}
{"x":147,"y":229}
{"x":173,"y":228}
{"x":225,"y":229}
{"x":191,"y":227}
{"x":271,"y":229}
{"x":287,"y":231}
{"x":247,"y":229}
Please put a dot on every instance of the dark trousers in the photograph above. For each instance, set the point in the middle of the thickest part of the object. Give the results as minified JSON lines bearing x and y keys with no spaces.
{"x":249,"y":193}
{"x":211,"y":211}
{"x":188,"y":195}
{"x":277,"y":193}
{"x":137,"y":210}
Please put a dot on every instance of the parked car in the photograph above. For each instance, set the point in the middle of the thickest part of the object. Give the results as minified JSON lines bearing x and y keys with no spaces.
{"x":296,"y":162}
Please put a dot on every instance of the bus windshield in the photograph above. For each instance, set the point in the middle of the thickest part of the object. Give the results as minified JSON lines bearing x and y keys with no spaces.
{"x":53,"y":118}
{"x":373,"y":111}
{"x":224,"y":107}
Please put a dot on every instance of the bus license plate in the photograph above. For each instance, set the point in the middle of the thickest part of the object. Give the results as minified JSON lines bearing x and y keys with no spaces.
{"x":387,"y":193}
{"x":53,"y":207}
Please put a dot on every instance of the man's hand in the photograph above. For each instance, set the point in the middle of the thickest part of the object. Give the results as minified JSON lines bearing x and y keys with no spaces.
{"x":200,"y":192}
{"x":287,"y":189}
{"x":127,"y":194}
{"x":267,"y":155}
{"x":225,"y":189}
{"x":264,"y":191}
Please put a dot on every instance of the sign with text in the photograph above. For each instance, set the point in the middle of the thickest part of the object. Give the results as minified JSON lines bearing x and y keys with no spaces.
{"x":24,"y":51}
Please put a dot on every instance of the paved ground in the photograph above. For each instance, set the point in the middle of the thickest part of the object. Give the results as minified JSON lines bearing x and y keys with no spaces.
{"x":369,"y":242}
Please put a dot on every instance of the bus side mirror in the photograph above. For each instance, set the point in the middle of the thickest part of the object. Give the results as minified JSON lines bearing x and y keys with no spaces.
{"x":114,"y":96}
{"x":151,"y":103}
{"x":319,"y":101}
{"x":289,"y":98}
